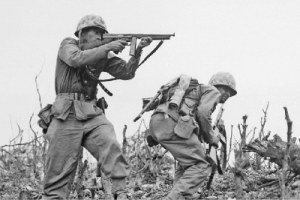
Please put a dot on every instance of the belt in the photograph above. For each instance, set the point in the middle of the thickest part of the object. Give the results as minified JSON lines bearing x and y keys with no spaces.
{"x":71,"y":96}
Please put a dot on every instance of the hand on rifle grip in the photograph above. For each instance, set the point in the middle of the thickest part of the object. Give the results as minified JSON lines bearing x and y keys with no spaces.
{"x":132,"y":46}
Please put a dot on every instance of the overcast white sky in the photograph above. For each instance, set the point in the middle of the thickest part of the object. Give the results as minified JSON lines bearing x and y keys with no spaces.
{"x":256,"y":41}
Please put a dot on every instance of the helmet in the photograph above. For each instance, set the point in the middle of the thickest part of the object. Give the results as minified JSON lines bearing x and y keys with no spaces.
{"x":91,"y":21}
{"x":224,"y":78}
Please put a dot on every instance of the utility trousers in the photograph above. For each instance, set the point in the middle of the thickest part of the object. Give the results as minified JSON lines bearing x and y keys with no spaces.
{"x":65,"y":138}
{"x":193,"y":168}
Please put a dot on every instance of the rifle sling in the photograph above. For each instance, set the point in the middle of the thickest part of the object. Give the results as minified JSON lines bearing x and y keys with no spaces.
{"x":146,"y":58}
{"x":112,"y":79}
{"x":152,"y":52}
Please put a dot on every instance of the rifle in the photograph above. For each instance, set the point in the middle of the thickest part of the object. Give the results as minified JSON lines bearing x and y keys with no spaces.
{"x":128,"y":37}
{"x":156,"y":97}
{"x":133,"y":39}
{"x":212,"y":155}
{"x":147,"y":106}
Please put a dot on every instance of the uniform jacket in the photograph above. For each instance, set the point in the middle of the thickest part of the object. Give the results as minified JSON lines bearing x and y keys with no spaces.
{"x":71,"y":60}
{"x":206,"y":98}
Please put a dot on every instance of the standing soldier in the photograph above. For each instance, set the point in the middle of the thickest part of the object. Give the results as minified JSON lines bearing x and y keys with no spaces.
{"x":182,"y":117}
{"x":77,"y":121}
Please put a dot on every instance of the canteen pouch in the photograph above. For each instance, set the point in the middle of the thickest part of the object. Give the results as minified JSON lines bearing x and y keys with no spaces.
{"x":184,"y":127}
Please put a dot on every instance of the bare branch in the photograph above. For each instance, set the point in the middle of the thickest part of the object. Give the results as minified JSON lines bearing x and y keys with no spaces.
{"x":125,"y":143}
{"x":239,"y":127}
{"x":283,"y":174}
{"x":263,"y":121}
{"x":35,"y":134}
{"x":19,"y":134}
{"x":230,"y":144}
{"x":20,"y":144}
{"x":253,"y":134}
{"x":289,"y":131}
{"x":145,"y":124}
{"x":37,"y":86}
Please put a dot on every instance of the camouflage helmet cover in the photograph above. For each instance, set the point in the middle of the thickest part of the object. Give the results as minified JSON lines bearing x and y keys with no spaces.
{"x":224,"y":78}
{"x":91,"y":21}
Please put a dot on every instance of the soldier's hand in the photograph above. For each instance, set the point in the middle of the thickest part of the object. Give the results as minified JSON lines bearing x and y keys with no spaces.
{"x":145,"y":41}
{"x":216,"y":140}
{"x":117,"y":45}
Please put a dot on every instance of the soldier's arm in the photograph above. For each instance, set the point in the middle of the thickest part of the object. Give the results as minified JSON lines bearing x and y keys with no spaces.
{"x":94,"y":44}
{"x":71,"y":54}
{"x":126,"y":70}
{"x":119,"y":68}
{"x":209,"y":100}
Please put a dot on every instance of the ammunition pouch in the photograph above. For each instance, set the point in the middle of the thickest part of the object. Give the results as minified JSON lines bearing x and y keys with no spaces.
{"x":45,"y":116}
{"x":185,"y":127}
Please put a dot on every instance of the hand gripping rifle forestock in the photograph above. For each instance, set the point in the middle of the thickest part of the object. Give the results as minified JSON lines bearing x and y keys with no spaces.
{"x":133,"y":38}
{"x":217,"y":123}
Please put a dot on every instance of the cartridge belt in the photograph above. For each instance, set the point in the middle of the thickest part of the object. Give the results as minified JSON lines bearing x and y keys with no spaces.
{"x":71,"y":96}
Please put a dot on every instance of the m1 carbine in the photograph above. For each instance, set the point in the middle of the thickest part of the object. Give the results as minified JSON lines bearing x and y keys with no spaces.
{"x":150,"y":101}
{"x":132,"y":38}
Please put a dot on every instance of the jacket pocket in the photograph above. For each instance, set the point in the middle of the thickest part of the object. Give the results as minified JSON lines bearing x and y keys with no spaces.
{"x":184,"y":127}
{"x":61,"y":108}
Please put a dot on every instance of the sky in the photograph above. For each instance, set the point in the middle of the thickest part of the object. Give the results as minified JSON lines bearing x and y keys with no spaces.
{"x":257,"y":41}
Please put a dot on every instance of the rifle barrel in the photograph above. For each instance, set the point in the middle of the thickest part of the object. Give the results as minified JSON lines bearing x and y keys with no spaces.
{"x":128,"y":35}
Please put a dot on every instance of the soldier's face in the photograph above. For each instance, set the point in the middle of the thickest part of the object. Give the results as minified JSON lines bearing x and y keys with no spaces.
{"x":92,"y":35}
{"x":225,"y":93}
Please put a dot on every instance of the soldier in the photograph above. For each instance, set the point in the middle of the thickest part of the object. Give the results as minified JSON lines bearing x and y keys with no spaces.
{"x":77,"y":121}
{"x":182,"y":117}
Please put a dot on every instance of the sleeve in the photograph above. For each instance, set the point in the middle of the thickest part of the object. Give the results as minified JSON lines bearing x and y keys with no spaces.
{"x":70,"y":53}
{"x":119,"y":68}
{"x":209,"y":100}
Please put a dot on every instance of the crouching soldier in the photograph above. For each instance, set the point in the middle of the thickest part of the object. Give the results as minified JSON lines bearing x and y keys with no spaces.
{"x":182,"y":116}
{"x":77,"y":120}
